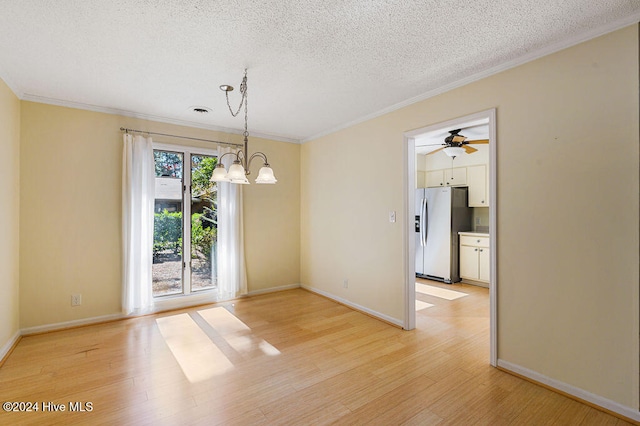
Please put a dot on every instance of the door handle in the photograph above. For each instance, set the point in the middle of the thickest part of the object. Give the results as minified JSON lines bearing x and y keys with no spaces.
{"x":422,"y":213}
{"x":426,"y":221}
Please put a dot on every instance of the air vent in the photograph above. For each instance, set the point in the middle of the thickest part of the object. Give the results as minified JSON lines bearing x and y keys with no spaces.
{"x":200,"y":109}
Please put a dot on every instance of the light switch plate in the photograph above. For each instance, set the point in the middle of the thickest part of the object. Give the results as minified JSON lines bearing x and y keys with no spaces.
{"x":392,"y":216}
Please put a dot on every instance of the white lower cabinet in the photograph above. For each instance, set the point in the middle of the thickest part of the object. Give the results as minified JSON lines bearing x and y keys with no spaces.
{"x":475,"y":258}
{"x":484,"y":264}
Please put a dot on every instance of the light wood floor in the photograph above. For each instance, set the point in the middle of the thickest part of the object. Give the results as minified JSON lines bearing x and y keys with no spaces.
{"x":291,"y":357}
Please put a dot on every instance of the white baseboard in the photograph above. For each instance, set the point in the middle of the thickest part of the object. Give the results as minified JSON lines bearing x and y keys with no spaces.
{"x":179,"y":302}
{"x":69,"y":324}
{"x":355,"y":306}
{"x":6,"y":348}
{"x":273,"y":289}
{"x":167,"y":304}
{"x":170,"y":303}
{"x":581,"y":394}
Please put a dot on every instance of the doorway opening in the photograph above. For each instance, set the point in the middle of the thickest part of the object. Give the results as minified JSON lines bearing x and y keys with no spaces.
{"x":472,"y":169}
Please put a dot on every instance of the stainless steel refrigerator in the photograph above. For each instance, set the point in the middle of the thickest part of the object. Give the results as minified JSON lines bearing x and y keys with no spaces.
{"x":440,"y":214}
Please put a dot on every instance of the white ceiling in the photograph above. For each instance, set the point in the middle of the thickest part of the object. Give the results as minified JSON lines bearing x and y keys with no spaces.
{"x":314,"y":66}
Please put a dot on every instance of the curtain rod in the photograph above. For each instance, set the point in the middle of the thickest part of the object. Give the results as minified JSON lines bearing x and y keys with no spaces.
{"x":123,"y":129}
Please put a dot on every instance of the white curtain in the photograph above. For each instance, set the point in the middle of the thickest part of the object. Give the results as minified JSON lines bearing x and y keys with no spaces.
{"x":232,"y":275}
{"x":138,"y":193}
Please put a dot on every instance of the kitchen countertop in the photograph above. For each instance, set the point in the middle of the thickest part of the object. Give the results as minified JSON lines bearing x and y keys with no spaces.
{"x":474,"y":234}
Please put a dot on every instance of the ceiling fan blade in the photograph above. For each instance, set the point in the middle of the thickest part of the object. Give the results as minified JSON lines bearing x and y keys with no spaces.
{"x":458,"y":138}
{"x":478,"y":142}
{"x":433,"y":152}
{"x":469,"y":149}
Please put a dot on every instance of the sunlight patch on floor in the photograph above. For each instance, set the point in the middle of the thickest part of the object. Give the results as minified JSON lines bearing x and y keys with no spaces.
{"x":223,"y":321}
{"x":236,"y":333}
{"x":199,"y":358}
{"x":442,"y":293}
{"x":422,"y":305}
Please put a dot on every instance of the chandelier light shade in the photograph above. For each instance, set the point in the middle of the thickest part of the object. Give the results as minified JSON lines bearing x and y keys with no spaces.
{"x":219,"y":174}
{"x":454,"y":151}
{"x":239,"y":170}
{"x":265,"y":175}
{"x":236,"y":172}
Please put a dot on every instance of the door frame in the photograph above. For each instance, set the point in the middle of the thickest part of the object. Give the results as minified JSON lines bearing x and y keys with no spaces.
{"x":409,"y":238}
{"x":187,"y":292}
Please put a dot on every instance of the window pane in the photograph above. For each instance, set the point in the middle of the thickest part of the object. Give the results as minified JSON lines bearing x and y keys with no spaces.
{"x":168,"y":164}
{"x":203,"y":223}
{"x":167,"y":224}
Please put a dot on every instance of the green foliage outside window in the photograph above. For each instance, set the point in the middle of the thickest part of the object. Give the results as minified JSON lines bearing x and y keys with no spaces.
{"x":202,"y":237}
{"x":168,"y":164}
{"x":167,"y":234}
{"x":202,"y":171}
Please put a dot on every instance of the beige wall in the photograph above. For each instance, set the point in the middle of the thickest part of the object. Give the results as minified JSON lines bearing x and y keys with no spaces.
{"x":567,"y":209}
{"x":272,"y":219}
{"x":9,"y":213}
{"x":70,"y":206}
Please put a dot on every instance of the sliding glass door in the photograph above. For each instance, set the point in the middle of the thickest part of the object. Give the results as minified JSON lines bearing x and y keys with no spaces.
{"x":185,"y":222}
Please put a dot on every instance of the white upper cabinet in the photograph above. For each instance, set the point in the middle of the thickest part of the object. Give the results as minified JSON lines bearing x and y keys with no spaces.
{"x":456,"y":176}
{"x":472,"y":170}
{"x":475,"y":177}
{"x":447,"y":177}
{"x":478,"y":186}
{"x":434,"y":178}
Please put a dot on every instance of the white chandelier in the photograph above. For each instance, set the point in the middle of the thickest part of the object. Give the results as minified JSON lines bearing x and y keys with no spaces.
{"x":239,"y":170}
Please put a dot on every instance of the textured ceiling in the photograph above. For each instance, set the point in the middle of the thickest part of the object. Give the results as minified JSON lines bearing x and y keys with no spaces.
{"x":314,"y":66}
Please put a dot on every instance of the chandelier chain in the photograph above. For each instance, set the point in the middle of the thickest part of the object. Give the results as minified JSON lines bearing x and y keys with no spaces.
{"x":243,"y":91}
{"x":240,"y":168}
{"x":246,"y":106}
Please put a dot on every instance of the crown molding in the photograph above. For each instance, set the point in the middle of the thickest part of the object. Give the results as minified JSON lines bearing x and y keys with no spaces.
{"x":10,"y":84}
{"x":552,"y":48}
{"x":537,"y":54}
{"x":125,"y":113}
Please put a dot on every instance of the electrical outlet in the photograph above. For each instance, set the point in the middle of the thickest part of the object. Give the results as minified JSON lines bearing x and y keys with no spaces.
{"x":345,"y":283}
{"x":477,"y":221}
{"x":76,"y":299}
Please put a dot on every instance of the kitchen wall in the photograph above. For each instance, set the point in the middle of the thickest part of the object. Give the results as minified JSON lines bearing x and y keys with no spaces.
{"x":9,"y":216}
{"x":481,"y":219}
{"x":567,"y":209}
{"x":70,"y":208}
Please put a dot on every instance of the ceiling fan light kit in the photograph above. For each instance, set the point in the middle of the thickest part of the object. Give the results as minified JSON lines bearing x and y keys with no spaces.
{"x":456,"y":144}
{"x":454,"y":151}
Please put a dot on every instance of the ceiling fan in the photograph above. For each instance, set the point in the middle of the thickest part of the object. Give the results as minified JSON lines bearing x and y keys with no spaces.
{"x":456,"y":144}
